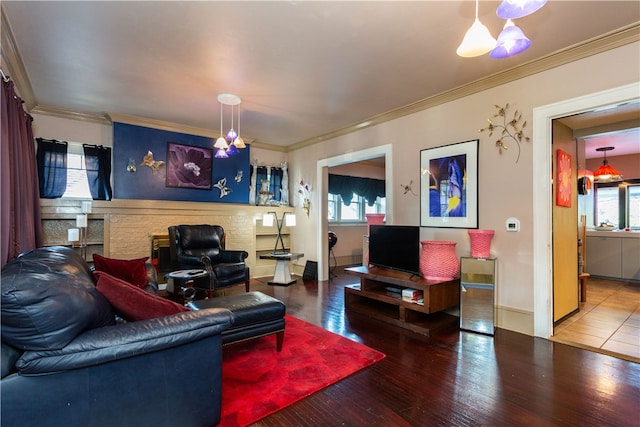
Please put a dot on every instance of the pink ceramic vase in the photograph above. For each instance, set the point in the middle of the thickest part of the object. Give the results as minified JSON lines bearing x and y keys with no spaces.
{"x":375,"y":219}
{"x":438,"y":260}
{"x":481,"y":243}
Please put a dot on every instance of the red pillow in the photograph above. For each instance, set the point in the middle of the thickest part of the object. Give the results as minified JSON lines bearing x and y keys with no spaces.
{"x":132,"y":303}
{"x":131,"y":271}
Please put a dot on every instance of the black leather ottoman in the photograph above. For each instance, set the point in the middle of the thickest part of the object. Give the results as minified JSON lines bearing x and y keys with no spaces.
{"x":255,"y":315}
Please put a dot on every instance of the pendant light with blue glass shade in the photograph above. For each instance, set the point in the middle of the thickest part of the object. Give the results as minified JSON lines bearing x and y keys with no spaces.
{"x":511,"y":41}
{"x":477,"y":40}
{"x":513,"y":9}
{"x":231,"y":137}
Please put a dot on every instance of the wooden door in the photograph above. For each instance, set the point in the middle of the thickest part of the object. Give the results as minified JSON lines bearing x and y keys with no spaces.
{"x":565,"y":230}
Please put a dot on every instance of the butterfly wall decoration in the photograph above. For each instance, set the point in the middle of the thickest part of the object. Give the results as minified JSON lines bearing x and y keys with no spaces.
{"x":155,"y":165}
{"x":222,"y":186}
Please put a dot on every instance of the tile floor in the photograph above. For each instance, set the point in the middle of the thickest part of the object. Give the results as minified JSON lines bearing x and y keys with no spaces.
{"x":608,"y":322}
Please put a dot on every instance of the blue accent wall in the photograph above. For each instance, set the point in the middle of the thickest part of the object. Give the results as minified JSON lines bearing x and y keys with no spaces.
{"x":131,"y":143}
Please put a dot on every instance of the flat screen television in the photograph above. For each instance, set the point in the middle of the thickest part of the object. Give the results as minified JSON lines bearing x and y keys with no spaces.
{"x":395,"y":246}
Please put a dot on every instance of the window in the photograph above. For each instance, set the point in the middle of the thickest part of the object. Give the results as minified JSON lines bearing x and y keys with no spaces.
{"x":607,"y":206}
{"x":618,"y":204}
{"x":355,"y":212}
{"x":77,"y":184}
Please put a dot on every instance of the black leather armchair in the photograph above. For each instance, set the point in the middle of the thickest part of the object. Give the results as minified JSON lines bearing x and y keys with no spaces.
{"x":203,"y":246}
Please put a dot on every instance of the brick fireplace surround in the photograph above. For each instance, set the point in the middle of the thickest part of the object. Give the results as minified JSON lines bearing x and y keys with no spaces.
{"x":124,"y":228}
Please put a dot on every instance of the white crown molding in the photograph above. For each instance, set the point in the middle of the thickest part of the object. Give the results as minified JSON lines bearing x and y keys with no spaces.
{"x":623,"y":36}
{"x":47,"y":110}
{"x":612,"y":40}
{"x":168,"y":126}
{"x":13,"y":65}
{"x":159,"y":124}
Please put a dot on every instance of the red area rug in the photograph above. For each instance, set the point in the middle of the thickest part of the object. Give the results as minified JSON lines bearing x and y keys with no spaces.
{"x":258,"y":381}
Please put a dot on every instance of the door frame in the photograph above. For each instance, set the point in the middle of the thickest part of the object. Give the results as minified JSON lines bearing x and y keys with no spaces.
{"x":542,"y":195}
{"x":322,"y":180}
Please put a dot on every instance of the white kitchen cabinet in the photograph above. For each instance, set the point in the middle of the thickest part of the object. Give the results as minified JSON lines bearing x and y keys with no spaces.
{"x":631,"y":259}
{"x":616,"y":257}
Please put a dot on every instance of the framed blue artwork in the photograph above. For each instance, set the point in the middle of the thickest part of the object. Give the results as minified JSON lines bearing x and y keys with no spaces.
{"x":449,"y":186}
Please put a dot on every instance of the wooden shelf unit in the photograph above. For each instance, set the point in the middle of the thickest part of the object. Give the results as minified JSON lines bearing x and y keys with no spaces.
{"x":371,"y":298}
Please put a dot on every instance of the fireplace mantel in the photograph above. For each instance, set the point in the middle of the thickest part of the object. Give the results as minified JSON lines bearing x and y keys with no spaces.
{"x":128,"y":225}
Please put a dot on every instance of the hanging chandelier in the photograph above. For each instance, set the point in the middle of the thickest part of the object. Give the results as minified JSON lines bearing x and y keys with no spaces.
{"x":511,"y":41}
{"x":229,"y":143}
{"x":606,"y":173}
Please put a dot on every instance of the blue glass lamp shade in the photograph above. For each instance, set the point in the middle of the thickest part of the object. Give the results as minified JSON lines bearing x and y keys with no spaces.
{"x":512,"y":9}
{"x":511,"y":41}
{"x":221,"y":153}
{"x":231,"y":135}
{"x":233,"y":150}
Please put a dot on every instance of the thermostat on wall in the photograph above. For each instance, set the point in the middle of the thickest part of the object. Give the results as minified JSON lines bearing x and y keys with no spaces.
{"x":512,"y":224}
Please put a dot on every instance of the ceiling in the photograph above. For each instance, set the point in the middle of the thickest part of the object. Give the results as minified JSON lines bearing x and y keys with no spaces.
{"x":615,"y":126}
{"x":303,"y":69}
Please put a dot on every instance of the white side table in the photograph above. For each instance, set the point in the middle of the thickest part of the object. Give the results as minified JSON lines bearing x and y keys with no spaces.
{"x":282,"y":275}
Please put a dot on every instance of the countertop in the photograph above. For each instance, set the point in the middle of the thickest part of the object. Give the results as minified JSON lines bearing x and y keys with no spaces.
{"x":614,"y":233}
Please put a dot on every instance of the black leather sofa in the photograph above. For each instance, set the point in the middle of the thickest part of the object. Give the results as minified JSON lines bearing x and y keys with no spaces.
{"x":66,"y":362}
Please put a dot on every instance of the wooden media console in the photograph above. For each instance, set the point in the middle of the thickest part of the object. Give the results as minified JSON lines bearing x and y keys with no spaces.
{"x":379,"y":295}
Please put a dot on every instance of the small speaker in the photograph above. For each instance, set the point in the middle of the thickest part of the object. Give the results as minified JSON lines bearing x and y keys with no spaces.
{"x":310,"y":271}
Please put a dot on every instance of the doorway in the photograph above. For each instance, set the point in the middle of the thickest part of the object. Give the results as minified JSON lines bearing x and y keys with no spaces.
{"x":542,"y":194}
{"x":322,"y":179}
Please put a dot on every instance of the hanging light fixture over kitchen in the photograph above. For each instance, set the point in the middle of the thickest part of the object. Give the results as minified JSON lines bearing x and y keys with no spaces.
{"x":606,"y":173}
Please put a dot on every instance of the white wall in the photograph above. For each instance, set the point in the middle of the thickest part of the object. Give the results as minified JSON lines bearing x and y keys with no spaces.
{"x":84,"y":132}
{"x":505,"y":188}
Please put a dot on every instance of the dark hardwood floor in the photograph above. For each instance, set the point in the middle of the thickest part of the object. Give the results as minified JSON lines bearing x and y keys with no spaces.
{"x":456,"y":378}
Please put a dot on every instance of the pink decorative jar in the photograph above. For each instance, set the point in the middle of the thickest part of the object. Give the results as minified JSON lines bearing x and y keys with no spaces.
{"x":375,"y":219}
{"x":481,"y":243}
{"x":438,"y":260}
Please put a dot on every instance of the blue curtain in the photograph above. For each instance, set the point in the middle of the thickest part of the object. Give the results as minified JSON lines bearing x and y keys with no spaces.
{"x":52,"y":167}
{"x":346,"y":186}
{"x":97,"y":160}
